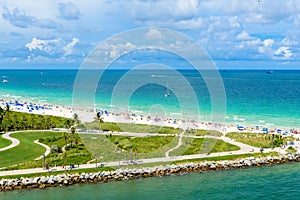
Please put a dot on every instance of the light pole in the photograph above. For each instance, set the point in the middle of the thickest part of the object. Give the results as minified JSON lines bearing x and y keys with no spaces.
{"x":43,"y":161}
{"x":206,"y":146}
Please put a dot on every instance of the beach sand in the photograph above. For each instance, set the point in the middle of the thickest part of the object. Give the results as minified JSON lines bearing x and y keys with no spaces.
{"x":124,"y":117}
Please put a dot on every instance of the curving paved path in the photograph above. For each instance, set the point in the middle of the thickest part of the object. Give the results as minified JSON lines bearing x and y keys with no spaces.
{"x":15,"y":142}
{"x":177,"y":146}
{"x":48,"y":149}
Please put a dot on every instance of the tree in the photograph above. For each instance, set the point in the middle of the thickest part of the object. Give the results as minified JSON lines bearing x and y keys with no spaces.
{"x":68,"y":124}
{"x":7,"y":108}
{"x":76,"y":119}
{"x":76,"y":140}
{"x":99,"y":118}
{"x":71,"y":139}
{"x":65,"y":135}
{"x":73,"y":130}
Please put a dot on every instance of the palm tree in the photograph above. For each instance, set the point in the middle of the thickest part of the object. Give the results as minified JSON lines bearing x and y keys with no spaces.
{"x":72,"y":130}
{"x":100,"y":119}
{"x":76,"y":119}
{"x":65,"y":135}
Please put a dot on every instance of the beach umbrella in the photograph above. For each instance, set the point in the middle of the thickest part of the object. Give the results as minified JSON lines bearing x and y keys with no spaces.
{"x":278,"y":130}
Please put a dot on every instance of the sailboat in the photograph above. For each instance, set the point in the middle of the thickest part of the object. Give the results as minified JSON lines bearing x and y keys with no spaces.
{"x":167,"y":91}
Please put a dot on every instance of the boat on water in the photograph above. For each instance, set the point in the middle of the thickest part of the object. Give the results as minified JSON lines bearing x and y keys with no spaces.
{"x":4,"y":81}
{"x":270,"y":72}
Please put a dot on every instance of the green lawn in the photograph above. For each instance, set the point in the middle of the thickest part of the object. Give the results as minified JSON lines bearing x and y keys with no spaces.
{"x":198,"y":145}
{"x":4,"y":142}
{"x":77,"y":154}
{"x":201,"y":132}
{"x":26,"y":150}
{"x":258,"y":139}
{"x":113,"y":148}
{"x":135,"y":128}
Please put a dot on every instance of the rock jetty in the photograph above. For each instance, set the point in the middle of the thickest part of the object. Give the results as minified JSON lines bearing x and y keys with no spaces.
{"x":128,"y":174}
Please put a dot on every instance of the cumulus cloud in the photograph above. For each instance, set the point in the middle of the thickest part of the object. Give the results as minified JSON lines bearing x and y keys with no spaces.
{"x":20,"y":19}
{"x":266,"y":47}
{"x":283,"y":52}
{"x":163,"y":10}
{"x":68,"y":11}
{"x":42,"y":45}
{"x":55,"y":48}
{"x":154,"y":34}
{"x":69,"y":47}
{"x":272,"y":49}
{"x":244,"y":36}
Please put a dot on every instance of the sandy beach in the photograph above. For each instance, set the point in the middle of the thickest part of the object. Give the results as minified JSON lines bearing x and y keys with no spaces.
{"x":127,"y":117}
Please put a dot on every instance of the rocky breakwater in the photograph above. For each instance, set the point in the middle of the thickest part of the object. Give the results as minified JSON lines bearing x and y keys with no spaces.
{"x":127,"y":174}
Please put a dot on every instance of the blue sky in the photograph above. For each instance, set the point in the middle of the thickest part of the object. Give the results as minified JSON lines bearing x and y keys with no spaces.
{"x":236,"y":33}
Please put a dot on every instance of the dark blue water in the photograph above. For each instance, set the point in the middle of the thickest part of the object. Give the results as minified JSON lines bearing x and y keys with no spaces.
{"x":252,"y":97}
{"x":276,"y":182}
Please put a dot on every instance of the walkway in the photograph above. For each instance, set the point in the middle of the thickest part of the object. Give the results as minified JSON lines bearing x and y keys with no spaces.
{"x":15,"y":142}
{"x":116,"y":163}
{"x":48,"y":150}
{"x":177,"y":146}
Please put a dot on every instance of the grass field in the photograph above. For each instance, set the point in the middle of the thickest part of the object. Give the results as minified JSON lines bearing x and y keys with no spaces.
{"x":135,"y":128}
{"x":201,"y":132}
{"x":258,"y":139}
{"x":4,"y":142}
{"x":198,"y":145}
{"x":114,"y":148}
{"x":77,"y":154}
{"x":26,"y":150}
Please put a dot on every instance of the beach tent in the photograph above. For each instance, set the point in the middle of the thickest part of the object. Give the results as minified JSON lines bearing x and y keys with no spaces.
{"x":241,"y":128}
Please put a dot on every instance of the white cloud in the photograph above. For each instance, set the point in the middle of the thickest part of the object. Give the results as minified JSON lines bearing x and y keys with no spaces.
{"x":266,"y":47}
{"x":154,"y":34}
{"x":69,"y":47}
{"x":50,"y":49}
{"x":244,"y":36}
{"x":68,"y":11}
{"x":268,"y":42}
{"x":283,"y":52}
{"x":42,"y":45}
{"x":19,"y":18}
{"x":163,"y":10}
{"x":116,"y":50}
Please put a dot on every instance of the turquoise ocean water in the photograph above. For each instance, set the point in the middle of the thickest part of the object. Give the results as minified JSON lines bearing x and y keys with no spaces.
{"x":276,"y":182}
{"x":252,"y":97}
